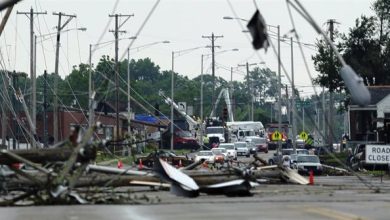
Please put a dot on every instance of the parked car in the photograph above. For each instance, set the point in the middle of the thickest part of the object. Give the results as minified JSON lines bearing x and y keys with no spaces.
{"x":305,"y":163}
{"x":242,"y":148}
{"x":257,"y":144}
{"x":230,"y":149}
{"x":207,"y":155}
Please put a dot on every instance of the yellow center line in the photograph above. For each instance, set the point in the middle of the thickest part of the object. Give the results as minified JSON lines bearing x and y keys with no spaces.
{"x":333,"y":214}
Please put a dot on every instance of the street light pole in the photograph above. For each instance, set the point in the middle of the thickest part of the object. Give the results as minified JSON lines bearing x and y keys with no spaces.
{"x":128,"y":93}
{"x":279,"y":92}
{"x":294,"y":129}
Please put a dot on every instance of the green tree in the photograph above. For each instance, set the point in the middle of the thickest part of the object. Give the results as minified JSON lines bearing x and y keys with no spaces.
{"x":327,"y":65}
{"x":75,"y":86}
{"x":363,"y":51}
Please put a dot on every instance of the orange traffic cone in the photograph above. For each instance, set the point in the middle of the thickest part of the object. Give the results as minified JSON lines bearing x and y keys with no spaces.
{"x":120,"y":164}
{"x":311,"y":177}
{"x":180,"y":164}
{"x":140,"y":166}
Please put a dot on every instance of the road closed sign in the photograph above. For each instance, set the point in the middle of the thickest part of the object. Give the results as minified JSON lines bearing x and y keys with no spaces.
{"x":378,"y":154}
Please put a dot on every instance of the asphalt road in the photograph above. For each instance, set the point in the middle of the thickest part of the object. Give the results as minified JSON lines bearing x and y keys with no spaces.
{"x":331,"y":197}
{"x":336,"y":197}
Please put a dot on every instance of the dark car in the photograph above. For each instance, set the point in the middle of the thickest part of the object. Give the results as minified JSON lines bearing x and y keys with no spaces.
{"x":257,"y":144}
{"x":181,"y":140}
{"x":169,"y":156}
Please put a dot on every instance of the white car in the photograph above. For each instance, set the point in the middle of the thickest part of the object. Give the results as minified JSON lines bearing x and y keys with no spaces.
{"x":217,"y":151}
{"x":205,"y":154}
{"x":305,"y":163}
{"x":242,"y":148}
{"x":230,"y":149}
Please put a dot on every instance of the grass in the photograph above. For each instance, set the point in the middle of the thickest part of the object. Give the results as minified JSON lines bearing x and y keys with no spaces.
{"x":331,"y":161}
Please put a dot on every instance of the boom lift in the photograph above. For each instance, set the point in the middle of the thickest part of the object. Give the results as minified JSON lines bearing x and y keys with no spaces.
{"x":224,"y":92}
{"x":192,"y":123}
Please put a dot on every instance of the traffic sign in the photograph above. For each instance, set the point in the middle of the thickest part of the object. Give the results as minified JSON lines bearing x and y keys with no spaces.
{"x":182,"y":106}
{"x":303,"y":135}
{"x":302,"y":103}
{"x":276,"y":136}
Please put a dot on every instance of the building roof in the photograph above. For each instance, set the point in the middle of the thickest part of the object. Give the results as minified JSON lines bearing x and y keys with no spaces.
{"x":377,"y":93}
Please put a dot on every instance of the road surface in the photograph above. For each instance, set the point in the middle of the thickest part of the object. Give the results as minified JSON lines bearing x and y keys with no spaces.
{"x":336,"y":197}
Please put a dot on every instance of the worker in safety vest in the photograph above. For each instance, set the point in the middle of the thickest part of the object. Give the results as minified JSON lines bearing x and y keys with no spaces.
{"x":206,"y":141}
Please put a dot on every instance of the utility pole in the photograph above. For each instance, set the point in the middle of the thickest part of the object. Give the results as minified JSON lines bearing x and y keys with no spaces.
{"x":128,"y":94}
{"x":323,"y":117}
{"x":213,"y":38}
{"x":250,"y":107}
{"x":60,"y":27}
{"x":116,"y":34}
{"x":33,"y":99}
{"x":287,"y":105}
{"x":91,"y":115}
{"x":231,"y":91}
{"x":331,"y":23}
{"x":14,"y":104}
{"x":45,"y":133}
{"x":250,"y":91}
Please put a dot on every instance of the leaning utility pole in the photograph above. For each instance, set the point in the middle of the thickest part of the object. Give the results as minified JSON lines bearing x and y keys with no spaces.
{"x":5,"y":18}
{"x":116,"y":34}
{"x":33,"y":99}
{"x":213,"y":37}
{"x":55,"y":103}
{"x":3,"y":108}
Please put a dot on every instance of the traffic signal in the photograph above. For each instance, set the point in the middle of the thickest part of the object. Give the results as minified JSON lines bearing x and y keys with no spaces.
{"x":225,"y":114}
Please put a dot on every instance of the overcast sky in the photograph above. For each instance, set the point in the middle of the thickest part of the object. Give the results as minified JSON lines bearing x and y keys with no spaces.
{"x":182,"y":22}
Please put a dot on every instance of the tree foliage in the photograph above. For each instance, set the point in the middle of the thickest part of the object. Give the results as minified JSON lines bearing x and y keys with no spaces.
{"x":366,"y":48}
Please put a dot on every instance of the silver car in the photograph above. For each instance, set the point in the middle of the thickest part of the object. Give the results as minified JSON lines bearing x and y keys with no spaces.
{"x":242,"y":148}
{"x":231,"y":150}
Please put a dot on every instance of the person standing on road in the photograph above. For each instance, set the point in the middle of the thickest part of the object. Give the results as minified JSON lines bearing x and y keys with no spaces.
{"x":286,"y":162}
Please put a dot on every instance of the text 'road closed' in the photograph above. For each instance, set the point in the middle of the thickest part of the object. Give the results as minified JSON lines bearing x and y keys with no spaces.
{"x":378,"y":154}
